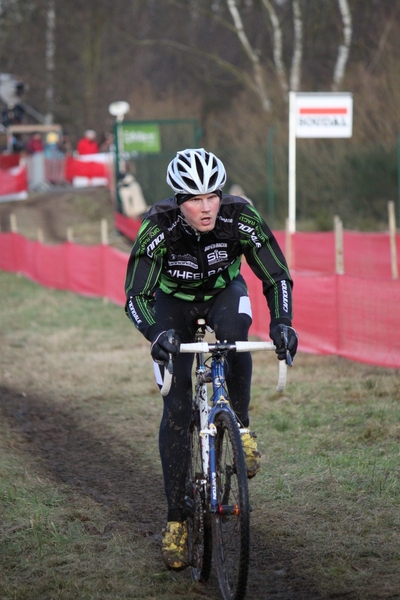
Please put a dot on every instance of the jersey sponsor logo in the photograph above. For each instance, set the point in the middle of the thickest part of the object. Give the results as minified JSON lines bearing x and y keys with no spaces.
{"x":216,"y":256}
{"x":183,"y":260}
{"x":224,"y":219}
{"x":253,"y":236}
{"x":247,"y":218}
{"x":150,"y":248}
{"x":178,"y":274}
{"x":220,"y":269}
{"x":245,"y":228}
{"x":285,"y":296}
{"x":133,"y":312}
{"x":182,"y":263}
{"x":174,"y":224}
{"x":217,"y":245}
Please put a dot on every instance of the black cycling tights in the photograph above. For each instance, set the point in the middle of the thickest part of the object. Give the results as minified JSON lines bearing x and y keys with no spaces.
{"x":228,"y":314}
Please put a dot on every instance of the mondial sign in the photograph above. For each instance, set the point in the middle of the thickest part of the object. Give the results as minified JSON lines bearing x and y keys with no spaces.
{"x":315,"y":115}
{"x":324,"y":115}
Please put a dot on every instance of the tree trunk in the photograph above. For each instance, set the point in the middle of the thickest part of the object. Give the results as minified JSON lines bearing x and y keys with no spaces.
{"x":258,"y":76}
{"x":344,"y":48}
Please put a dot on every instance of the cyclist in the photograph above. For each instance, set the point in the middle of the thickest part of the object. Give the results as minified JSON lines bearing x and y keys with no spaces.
{"x":185,"y":264}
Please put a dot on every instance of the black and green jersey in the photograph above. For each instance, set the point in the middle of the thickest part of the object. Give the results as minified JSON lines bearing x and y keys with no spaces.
{"x":170,"y":255}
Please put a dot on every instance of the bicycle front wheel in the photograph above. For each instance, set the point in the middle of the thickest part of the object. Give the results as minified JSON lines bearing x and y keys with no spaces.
{"x":199,"y":525}
{"x":231,"y":522}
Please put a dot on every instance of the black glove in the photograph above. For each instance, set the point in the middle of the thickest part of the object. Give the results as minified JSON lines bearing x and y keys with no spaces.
{"x":165,"y":343}
{"x":285,"y":339}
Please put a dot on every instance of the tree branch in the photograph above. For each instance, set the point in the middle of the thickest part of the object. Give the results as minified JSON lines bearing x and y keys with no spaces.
{"x":277,"y":46}
{"x":252,"y":55}
{"x":207,"y":13}
{"x":344,"y":49}
{"x":295,"y":74}
{"x":239,"y":75}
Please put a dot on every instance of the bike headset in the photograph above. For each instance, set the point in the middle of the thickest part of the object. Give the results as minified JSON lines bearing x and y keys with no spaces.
{"x":193,"y":172}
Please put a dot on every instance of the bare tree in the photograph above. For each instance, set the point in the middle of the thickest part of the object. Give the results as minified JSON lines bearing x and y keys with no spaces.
{"x":295,"y":73}
{"x":277,"y":45}
{"x":258,"y":75}
{"x":344,"y":48}
{"x":50,"y":51}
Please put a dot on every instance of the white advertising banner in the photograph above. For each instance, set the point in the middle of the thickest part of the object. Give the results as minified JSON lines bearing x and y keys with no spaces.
{"x":315,"y":115}
{"x":324,"y":115}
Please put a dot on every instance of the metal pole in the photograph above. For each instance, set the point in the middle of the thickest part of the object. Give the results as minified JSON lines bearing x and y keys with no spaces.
{"x":50,"y":51}
{"x":392,"y":234}
{"x":292,"y":162}
{"x":117,"y":171}
{"x":398,"y":175}
{"x":270,"y":174}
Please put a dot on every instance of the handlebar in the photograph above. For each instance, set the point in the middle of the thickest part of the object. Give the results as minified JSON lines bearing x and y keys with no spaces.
{"x":206,"y":347}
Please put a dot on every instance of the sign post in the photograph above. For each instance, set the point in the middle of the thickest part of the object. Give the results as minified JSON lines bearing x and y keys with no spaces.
{"x":315,"y":115}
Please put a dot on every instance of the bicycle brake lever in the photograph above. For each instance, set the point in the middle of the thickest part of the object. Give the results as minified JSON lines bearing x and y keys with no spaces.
{"x":170,"y":337}
{"x":170,"y":365}
{"x":289,"y":360}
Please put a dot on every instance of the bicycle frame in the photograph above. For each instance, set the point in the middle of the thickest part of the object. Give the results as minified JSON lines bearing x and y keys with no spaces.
{"x":216,"y":376}
{"x":217,"y":501}
{"x":207,"y":414}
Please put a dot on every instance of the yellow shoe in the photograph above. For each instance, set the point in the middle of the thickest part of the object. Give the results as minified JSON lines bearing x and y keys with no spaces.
{"x":251,"y":453}
{"x":175,"y":548}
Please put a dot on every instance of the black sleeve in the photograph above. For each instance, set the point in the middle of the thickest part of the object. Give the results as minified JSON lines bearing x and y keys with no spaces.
{"x":268,"y":263}
{"x":142,"y":277}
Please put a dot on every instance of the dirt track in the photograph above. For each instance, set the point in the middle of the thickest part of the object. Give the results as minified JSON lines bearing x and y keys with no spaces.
{"x":50,"y":214}
{"x":90,"y":460}
{"x":98,"y":466}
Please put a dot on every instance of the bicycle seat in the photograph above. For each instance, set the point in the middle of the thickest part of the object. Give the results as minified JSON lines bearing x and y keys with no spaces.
{"x":203,"y":323}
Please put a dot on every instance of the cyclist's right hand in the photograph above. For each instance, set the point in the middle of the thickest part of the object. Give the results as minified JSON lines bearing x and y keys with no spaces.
{"x":164,"y":344}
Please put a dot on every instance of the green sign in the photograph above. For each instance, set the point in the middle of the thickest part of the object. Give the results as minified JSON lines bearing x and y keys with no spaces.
{"x":141,"y":137}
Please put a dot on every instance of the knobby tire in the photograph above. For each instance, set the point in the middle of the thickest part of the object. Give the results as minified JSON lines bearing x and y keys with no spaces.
{"x":199,"y":525}
{"x":231,"y":525}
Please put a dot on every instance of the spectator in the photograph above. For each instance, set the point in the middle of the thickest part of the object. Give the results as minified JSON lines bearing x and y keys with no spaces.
{"x":51,"y":149}
{"x":18,"y":144}
{"x":131,"y":194}
{"x":88,"y":144}
{"x":65,"y":145}
{"x":237,"y":190}
{"x":106,"y":142}
{"x":35,"y":144}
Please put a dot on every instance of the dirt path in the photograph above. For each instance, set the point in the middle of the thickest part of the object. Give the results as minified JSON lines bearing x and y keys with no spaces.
{"x":50,"y":214}
{"x":98,"y":465}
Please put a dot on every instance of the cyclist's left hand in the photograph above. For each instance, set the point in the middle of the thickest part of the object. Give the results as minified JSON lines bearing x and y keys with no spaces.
{"x":278,"y":333}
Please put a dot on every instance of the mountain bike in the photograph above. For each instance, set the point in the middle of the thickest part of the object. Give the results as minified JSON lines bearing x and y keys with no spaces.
{"x":217,"y":497}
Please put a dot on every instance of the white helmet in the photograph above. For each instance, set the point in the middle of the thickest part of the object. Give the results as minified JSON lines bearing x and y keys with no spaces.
{"x":196,"y":171}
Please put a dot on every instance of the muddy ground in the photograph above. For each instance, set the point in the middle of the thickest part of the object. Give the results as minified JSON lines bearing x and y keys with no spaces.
{"x":76,"y":457}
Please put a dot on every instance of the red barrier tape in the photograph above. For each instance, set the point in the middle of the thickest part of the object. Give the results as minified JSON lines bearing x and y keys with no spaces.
{"x":127,"y":226}
{"x":357,"y":318}
{"x":13,"y":183}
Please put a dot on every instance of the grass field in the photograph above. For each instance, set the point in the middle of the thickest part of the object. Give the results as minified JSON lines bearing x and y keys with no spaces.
{"x":81,"y":498}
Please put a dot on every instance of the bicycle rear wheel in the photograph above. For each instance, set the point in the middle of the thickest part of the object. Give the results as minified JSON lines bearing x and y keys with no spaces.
{"x":231,"y":523}
{"x":199,"y":525}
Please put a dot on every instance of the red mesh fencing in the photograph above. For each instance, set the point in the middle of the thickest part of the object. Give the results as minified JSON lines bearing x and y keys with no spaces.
{"x":354,"y":317}
{"x":364,"y":254}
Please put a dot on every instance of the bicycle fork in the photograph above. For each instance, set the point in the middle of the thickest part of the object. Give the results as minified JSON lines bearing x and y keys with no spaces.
{"x":208,"y":428}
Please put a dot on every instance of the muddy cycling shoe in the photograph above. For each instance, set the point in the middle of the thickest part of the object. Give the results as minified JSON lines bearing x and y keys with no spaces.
{"x":175,"y":549}
{"x":251,"y":453}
